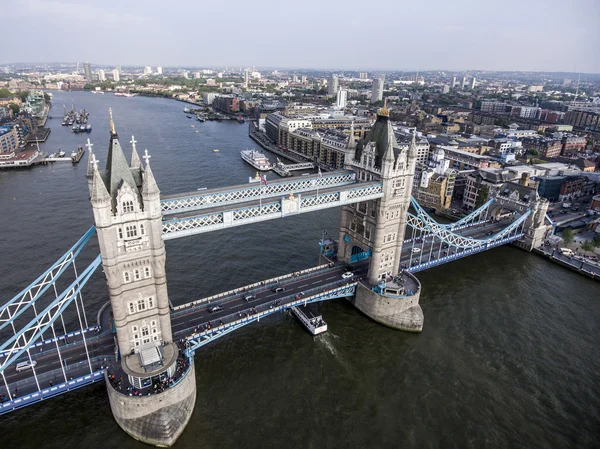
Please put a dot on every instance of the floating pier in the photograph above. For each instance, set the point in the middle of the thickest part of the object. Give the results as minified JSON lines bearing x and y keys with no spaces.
{"x":312,"y":322}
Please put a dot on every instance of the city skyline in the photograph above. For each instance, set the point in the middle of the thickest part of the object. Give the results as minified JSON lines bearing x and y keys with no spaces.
{"x":463,"y":36}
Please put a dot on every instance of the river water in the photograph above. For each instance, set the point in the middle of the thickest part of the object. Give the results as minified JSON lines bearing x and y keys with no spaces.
{"x":508,"y":358}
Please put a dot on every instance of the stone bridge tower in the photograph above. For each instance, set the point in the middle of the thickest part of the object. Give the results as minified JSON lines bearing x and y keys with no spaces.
{"x":127,"y":213}
{"x":374,"y":230}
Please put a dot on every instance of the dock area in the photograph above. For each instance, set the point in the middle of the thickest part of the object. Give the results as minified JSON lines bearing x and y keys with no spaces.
{"x":309,"y":317}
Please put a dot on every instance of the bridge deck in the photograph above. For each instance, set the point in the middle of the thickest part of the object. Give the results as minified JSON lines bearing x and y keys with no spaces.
{"x":189,"y":320}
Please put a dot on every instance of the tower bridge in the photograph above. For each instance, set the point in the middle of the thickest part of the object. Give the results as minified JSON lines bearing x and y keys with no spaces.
{"x":139,"y":344}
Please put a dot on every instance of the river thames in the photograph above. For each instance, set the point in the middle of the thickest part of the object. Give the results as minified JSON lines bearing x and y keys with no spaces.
{"x":508,"y":358}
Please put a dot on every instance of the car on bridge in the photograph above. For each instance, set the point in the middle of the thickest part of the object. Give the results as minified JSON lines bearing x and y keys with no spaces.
{"x":347,"y":274}
{"x":416,"y":250}
{"x":25,"y":365}
{"x":215,"y":309}
{"x":249,"y":297}
{"x":278,"y":289}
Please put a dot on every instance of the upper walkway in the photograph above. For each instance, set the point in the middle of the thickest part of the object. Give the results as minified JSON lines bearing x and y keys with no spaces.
{"x":191,"y":201}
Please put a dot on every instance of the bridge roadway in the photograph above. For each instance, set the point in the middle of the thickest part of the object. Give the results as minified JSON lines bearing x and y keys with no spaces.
{"x":186,"y":321}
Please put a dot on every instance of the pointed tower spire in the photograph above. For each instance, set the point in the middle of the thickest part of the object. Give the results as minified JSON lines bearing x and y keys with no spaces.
{"x":149,"y":186}
{"x":117,"y":169}
{"x":135,"y":158}
{"x":90,"y":166}
{"x":112,"y":123}
{"x":351,"y":142}
{"x":412,"y":149}
{"x":99,"y":194}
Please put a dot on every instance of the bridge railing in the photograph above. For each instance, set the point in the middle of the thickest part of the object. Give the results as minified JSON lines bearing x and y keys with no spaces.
{"x":196,"y":340}
{"x":461,"y":254}
{"x":54,"y":390}
{"x":246,"y":289}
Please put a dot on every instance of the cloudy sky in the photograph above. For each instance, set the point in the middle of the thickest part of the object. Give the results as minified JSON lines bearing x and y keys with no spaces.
{"x":529,"y":35}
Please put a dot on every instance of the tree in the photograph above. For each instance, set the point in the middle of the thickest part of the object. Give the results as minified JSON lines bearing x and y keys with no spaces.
{"x":533,"y":152}
{"x":568,"y":235}
{"x":483,"y":196}
{"x":14,"y":108}
{"x":596,"y":240}
{"x":587,"y":246}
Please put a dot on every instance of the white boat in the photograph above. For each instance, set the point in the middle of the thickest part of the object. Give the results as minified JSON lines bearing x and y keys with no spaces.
{"x":256,"y":159}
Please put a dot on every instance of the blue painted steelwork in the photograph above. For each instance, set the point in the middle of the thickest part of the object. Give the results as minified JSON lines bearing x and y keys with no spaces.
{"x":28,"y":335}
{"x":196,"y":341}
{"x":424,"y":222}
{"x":27,"y":297}
{"x":461,"y":254}
{"x":48,"y":393}
{"x":363,"y":255}
{"x":188,"y":202}
{"x":460,"y":223}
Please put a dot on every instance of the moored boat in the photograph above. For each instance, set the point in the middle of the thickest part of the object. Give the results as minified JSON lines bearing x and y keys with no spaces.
{"x":256,"y":159}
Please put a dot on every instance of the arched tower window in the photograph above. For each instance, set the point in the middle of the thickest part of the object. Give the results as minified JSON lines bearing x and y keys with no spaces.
{"x":127,"y":206}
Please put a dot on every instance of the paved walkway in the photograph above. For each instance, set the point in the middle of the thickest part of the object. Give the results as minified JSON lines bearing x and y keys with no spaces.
{"x":577,"y":263}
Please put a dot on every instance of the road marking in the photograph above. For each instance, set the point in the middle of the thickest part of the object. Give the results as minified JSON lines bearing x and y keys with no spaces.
{"x":302,"y":286}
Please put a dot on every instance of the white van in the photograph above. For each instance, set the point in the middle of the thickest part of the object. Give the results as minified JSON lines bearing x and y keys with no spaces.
{"x":25,"y":365}
{"x":566,"y":252}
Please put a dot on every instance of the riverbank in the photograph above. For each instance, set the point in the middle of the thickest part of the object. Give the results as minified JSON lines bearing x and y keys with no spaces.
{"x":574,"y":264}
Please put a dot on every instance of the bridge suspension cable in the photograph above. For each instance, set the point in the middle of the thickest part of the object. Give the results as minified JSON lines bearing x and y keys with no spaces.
{"x":28,"y":297}
{"x":30,"y":333}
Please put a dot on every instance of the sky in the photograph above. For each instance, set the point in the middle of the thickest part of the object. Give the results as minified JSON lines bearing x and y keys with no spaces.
{"x":521,"y":35}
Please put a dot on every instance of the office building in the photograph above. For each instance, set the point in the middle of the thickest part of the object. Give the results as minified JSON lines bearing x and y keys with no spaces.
{"x":473,"y":83}
{"x":116,"y":75}
{"x":332,"y":86}
{"x":363,"y":75}
{"x":246,"y":78}
{"x":464,"y":82}
{"x":453,"y":85}
{"x":377,"y":91}
{"x":159,"y":71}
{"x":101,"y":75}
{"x":87,"y":70}
{"x":147,"y":70}
{"x":445,"y":89}
{"x":341,"y":99}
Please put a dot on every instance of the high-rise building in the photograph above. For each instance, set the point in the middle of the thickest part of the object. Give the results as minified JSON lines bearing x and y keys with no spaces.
{"x":464,"y":82}
{"x":377,"y":91}
{"x":116,"y":75}
{"x":147,"y":70}
{"x":101,"y":75}
{"x":453,"y":85}
{"x":87,"y":70}
{"x":342,"y":96}
{"x":363,"y":75}
{"x":473,"y":83}
{"x":246,"y":78}
{"x":295,"y":78}
{"x":118,"y":69}
{"x":196,"y":75}
{"x":304,"y":79}
{"x":159,"y":70}
{"x":185,"y":74}
{"x":445,"y":89}
{"x":332,"y":87}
